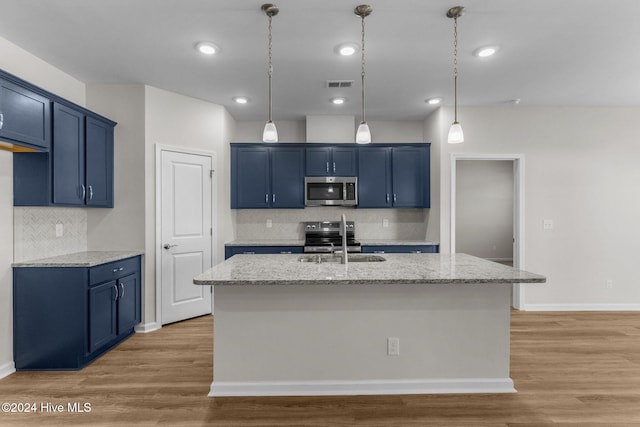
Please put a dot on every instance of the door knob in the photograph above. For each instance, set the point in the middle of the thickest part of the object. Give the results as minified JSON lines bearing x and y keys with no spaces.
{"x":168,"y":246}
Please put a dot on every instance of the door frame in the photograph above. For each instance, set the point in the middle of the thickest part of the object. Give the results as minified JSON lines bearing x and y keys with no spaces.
{"x":518,"y":212}
{"x":159,"y":148}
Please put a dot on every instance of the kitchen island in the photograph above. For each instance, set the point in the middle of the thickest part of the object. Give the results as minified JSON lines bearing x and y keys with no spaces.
{"x":413,"y":323}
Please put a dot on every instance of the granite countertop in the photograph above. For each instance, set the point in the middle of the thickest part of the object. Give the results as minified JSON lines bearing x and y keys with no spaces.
{"x":79,"y":259}
{"x":289,"y":242}
{"x":397,"y":269}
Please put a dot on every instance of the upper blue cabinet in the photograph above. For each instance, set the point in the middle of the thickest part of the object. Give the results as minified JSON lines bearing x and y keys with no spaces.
{"x":264,"y":177}
{"x":331,"y":161}
{"x":25,"y":117}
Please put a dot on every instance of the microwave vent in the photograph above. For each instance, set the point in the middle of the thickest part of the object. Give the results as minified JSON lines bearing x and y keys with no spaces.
{"x":339,"y":83}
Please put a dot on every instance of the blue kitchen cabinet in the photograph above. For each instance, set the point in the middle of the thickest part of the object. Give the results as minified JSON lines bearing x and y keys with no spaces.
{"x":400,"y":249}
{"x":25,"y":116}
{"x":267,"y":177}
{"x":66,"y":317}
{"x":331,"y":161}
{"x":78,"y":171}
{"x":394,"y":176}
{"x":231,"y":250}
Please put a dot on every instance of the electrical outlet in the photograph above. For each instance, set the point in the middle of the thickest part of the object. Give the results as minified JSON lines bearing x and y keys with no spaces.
{"x":608,"y":284}
{"x":393,"y":346}
{"x":385,"y":222}
{"x":269,"y":223}
{"x":59,"y":230}
{"x":547,"y":224}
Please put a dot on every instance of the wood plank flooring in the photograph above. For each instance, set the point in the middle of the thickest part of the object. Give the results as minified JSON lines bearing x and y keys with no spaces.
{"x":570,"y":369}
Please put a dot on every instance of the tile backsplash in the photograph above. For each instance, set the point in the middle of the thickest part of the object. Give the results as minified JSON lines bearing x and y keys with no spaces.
{"x":403,"y":224}
{"x":35,"y":232}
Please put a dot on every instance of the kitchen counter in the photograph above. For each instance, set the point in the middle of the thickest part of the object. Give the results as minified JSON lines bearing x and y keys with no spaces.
{"x":422,"y":269}
{"x":79,"y":259}
{"x":415,"y":323}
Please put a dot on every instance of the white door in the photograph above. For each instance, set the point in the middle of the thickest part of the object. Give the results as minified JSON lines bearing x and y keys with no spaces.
{"x":186,"y":234}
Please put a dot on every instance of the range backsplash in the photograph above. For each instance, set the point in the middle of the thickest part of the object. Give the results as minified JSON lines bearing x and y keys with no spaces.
{"x":403,"y":224}
{"x":34,"y":232}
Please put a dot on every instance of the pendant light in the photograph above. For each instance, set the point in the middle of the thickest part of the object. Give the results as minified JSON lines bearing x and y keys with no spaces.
{"x":270,"y":133}
{"x":456,"y":135}
{"x":363,"y":135}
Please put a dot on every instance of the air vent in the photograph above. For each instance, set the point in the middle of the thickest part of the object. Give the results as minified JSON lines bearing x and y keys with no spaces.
{"x":339,"y":83}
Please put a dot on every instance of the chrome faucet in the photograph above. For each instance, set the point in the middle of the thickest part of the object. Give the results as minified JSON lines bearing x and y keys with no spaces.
{"x":343,"y":231}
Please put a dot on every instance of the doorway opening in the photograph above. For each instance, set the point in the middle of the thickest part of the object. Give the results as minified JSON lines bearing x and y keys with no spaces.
{"x":487,"y":209}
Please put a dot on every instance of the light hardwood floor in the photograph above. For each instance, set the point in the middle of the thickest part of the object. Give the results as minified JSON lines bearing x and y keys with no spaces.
{"x":570,"y":369}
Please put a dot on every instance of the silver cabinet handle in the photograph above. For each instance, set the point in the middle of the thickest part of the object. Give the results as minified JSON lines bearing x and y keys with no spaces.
{"x":416,"y":252}
{"x":168,"y":246}
{"x":122,"y":287}
{"x":116,"y":297}
{"x":395,"y":198}
{"x":84,"y":192}
{"x":266,"y":198}
{"x":334,"y":167}
{"x":90,"y":192}
{"x":285,"y":252}
{"x":327,"y":167}
{"x":248,"y":253}
{"x":274,"y":197}
{"x":1,"y":120}
{"x":387,"y":197}
{"x":115,"y":270}
{"x":378,"y":252}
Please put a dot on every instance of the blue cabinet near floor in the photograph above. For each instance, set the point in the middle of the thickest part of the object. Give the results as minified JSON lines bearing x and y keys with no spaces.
{"x":79,"y":169}
{"x":331,"y":161}
{"x":25,"y":116}
{"x":267,"y":177}
{"x":65,"y":317}
{"x":394,"y":176}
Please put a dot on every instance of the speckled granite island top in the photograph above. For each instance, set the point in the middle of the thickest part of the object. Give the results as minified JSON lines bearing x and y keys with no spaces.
{"x":397,"y":269}
{"x":79,"y":259}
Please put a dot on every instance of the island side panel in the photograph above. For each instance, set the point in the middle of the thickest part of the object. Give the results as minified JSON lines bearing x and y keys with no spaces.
{"x":321,"y":339}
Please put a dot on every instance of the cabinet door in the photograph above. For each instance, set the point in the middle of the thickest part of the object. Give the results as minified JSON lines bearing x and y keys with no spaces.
{"x":102,"y":315}
{"x":319,"y":162}
{"x":68,"y":156}
{"x":344,"y":161}
{"x":25,"y":117}
{"x":250,"y":186}
{"x":374,"y":177}
{"x":99,"y":163}
{"x":287,"y":177}
{"x":128,"y":303}
{"x":410,"y":177}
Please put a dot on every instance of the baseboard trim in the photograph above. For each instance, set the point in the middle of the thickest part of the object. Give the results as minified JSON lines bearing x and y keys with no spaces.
{"x":581,"y":307}
{"x":361,"y":387}
{"x":7,"y":369}
{"x":144,"y":328}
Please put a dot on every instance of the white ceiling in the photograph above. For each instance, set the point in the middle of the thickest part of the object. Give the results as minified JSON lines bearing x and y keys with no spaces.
{"x":553,"y":52}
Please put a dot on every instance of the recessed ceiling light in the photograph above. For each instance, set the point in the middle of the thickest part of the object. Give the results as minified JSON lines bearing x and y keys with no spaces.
{"x":241,"y":99}
{"x":347,"y":49}
{"x":485,"y":51}
{"x":207,"y":48}
{"x":433,"y":101}
{"x":338,"y":101}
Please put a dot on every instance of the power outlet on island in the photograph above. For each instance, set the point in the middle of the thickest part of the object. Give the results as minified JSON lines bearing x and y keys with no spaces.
{"x":269,"y":223}
{"x":608,"y":284}
{"x":59,"y":230}
{"x":393,"y":346}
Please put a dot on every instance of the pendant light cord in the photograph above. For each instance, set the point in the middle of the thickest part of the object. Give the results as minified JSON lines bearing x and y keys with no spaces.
{"x":362,"y":73}
{"x":270,"y":71}
{"x":455,"y":69}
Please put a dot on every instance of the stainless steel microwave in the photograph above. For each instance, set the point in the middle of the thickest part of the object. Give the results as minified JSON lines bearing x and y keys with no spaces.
{"x":331,"y":191}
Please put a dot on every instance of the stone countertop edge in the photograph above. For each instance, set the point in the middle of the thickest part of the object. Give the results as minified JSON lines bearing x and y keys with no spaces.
{"x":366,"y":242}
{"x":397,"y":269}
{"x":79,"y":259}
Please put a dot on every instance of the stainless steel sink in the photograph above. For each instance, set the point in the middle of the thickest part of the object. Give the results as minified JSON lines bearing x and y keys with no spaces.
{"x":317,"y":258}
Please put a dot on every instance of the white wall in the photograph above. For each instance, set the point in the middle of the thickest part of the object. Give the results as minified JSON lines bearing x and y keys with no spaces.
{"x":180,"y":121}
{"x":582,"y":173}
{"x":484,"y":208}
{"x":21,"y":63}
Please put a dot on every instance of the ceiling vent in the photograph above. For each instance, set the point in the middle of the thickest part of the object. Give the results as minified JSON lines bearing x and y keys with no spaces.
{"x":339,"y":83}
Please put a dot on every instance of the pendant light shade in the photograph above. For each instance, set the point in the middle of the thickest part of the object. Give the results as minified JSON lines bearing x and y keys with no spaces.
{"x":363,"y":135}
{"x":456,"y":135}
{"x":270,"y":133}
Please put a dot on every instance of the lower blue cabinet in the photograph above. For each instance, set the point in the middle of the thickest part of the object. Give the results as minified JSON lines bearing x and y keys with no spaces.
{"x":65,"y":317}
{"x":230,"y":251}
{"x":400,"y":249}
